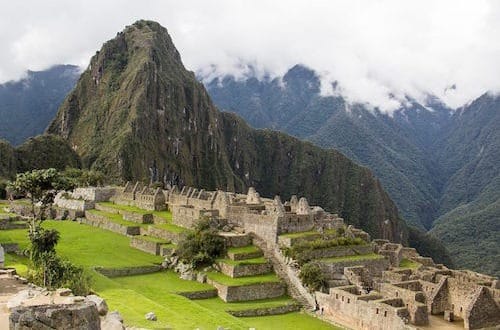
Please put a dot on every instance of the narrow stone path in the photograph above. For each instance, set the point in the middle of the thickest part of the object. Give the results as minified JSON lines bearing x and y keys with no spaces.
{"x":9,"y":286}
{"x":281,"y":270}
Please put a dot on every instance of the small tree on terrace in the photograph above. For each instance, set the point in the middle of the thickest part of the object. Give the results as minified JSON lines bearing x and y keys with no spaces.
{"x":40,"y":186}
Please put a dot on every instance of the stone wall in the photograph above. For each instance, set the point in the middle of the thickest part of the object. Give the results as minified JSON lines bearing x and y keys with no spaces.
{"x":374,"y":266}
{"x":79,"y":316}
{"x":137,"y":217}
{"x":484,"y":312}
{"x":128,"y":271}
{"x":249,"y":292}
{"x":338,"y":251}
{"x":144,"y":245}
{"x":95,"y":194}
{"x":365,"y":312}
{"x":244,"y":270}
{"x":412,"y":296}
{"x":292,"y":223}
{"x":104,"y":223}
{"x":65,"y":200}
{"x":265,"y":311}
{"x":162,"y":234}
{"x":199,"y":294}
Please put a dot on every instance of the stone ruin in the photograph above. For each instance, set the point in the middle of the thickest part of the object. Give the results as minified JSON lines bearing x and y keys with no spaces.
{"x":142,"y":196}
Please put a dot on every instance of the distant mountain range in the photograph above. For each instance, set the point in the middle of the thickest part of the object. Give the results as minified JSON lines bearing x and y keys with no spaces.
{"x":438,"y":165}
{"x":28,"y":105}
{"x":441,"y":167}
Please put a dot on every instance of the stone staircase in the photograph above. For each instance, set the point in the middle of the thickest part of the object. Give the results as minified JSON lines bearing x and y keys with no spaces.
{"x":295,"y":288}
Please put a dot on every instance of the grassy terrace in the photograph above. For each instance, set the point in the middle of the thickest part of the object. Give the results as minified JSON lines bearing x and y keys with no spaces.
{"x":248,"y":280}
{"x":171,"y":228}
{"x":134,"y":296}
{"x":409,"y":264}
{"x":151,"y":239}
{"x":217,"y":303}
{"x":244,"y":249}
{"x":370,"y":256}
{"x":309,"y":233}
{"x":116,"y":218}
{"x":253,"y":261}
{"x":163,"y":214}
{"x":4,"y":204}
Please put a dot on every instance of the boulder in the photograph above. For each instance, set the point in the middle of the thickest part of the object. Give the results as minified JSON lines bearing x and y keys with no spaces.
{"x":64,"y":292}
{"x":112,"y":321}
{"x":151,"y":316}
{"x":102,"y":306}
{"x":80,"y":316}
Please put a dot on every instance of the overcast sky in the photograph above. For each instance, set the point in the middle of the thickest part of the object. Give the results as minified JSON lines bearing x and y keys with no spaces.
{"x":374,"y":49}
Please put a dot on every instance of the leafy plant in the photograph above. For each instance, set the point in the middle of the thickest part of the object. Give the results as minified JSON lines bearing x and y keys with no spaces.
{"x":312,"y":276}
{"x":201,"y":247}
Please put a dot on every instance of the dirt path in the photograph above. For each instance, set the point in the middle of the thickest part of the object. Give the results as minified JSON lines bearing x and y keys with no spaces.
{"x":8,"y":288}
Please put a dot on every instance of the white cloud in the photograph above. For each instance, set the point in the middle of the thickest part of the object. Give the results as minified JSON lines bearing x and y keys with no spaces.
{"x":372,"y":48}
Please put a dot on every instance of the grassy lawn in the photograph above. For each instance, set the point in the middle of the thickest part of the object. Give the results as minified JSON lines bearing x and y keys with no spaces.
{"x":253,"y":261}
{"x":218,"y":304}
{"x":157,"y":284}
{"x":296,"y":320}
{"x":370,"y":256}
{"x":151,"y":239}
{"x":247,"y":280}
{"x":309,"y":233}
{"x":409,"y":264}
{"x":134,"y":296}
{"x":171,"y":228}
{"x":244,"y":249}
{"x":18,"y":262}
{"x":162,"y":214}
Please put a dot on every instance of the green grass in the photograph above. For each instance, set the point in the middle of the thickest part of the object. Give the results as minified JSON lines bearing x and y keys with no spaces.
{"x":151,"y":239}
{"x":159,"y":283}
{"x":162,"y":214}
{"x":88,"y":246}
{"x":370,"y":256}
{"x":171,"y":228}
{"x":409,"y":264}
{"x":218,"y":304}
{"x":247,"y":280}
{"x":244,"y":249}
{"x":18,"y":262}
{"x":253,"y":261}
{"x":309,"y":233}
{"x":296,"y":320}
{"x":116,"y":218}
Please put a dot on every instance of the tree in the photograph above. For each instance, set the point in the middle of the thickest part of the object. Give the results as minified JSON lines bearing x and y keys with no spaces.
{"x":84,"y":178}
{"x":312,"y":276}
{"x":40,"y":186}
{"x":201,"y":247}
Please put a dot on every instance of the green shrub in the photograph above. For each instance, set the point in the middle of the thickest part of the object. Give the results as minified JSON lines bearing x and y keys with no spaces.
{"x":201,"y":247}
{"x":312,"y":276}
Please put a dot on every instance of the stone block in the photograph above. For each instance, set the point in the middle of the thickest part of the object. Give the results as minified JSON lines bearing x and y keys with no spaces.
{"x":449,"y":316}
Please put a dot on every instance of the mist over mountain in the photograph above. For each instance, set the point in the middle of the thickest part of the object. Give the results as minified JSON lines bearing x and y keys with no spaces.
{"x":27,"y":106}
{"x":138,"y":114}
{"x":436,"y":164}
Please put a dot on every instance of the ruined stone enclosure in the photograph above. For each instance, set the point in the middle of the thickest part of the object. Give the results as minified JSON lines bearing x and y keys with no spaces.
{"x":367,"y":284}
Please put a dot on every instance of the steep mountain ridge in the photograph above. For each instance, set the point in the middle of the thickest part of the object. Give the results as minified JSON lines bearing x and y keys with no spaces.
{"x":439,"y":166}
{"x":137,"y":114}
{"x":27,"y":106}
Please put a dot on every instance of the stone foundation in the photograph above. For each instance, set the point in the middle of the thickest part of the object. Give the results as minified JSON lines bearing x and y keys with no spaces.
{"x":104,"y":223}
{"x":249,"y":292}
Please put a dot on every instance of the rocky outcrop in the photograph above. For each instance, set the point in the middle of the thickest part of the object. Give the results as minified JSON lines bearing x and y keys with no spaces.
{"x":79,"y":316}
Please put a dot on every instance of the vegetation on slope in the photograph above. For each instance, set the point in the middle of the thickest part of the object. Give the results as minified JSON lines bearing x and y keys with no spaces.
{"x":137,"y":114}
{"x":27,"y":106}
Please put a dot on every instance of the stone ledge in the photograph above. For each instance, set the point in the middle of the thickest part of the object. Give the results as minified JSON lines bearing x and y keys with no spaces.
{"x":128,"y":271}
{"x":245,"y":269}
{"x":104,"y":223}
{"x":265,"y":311}
{"x":256,"y":291}
{"x":199,"y":294}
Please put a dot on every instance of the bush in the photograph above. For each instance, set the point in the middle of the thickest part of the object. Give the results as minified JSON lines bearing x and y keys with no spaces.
{"x":53,"y":272}
{"x":201,"y":247}
{"x":312,"y":276}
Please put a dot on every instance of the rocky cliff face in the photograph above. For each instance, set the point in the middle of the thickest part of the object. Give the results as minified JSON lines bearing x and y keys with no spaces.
{"x":138,"y":114}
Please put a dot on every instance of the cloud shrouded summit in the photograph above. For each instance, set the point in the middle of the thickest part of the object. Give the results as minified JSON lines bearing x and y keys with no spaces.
{"x":377,"y":51}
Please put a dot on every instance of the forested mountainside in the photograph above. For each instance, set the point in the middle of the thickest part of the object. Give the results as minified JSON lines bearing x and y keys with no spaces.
{"x":27,"y":106}
{"x":138,"y":114}
{"x":434,"y":163}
